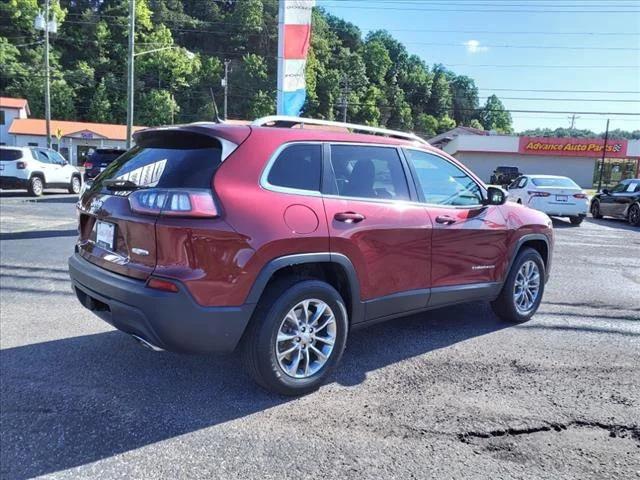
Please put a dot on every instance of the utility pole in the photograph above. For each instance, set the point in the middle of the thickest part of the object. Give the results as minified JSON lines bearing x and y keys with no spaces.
{"x":604,"y":153}
{"x":47,"y":87}
{"x":130,"y":70}
{"x":344,"y":102}
{"x":573,"y":120}
{"x":225,"y":84}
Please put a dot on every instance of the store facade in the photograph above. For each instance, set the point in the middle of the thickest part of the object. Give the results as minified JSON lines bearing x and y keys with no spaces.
{"x":577,"y":158}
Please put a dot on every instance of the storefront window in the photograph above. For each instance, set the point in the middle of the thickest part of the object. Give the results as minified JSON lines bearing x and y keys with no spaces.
{"x":614,"y":171}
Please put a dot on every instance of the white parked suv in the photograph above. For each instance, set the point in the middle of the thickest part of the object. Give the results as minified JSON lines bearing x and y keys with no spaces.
{"x":34,"y":169}
{"x":556,"y":196}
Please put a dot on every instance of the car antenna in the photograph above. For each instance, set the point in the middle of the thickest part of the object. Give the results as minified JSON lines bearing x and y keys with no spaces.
{"x":216,"y":117}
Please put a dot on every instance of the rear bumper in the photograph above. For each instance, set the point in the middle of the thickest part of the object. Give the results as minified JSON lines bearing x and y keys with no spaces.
{"x":561,"y":209}
{"x":170,"y":321}
{"x":13,"y":182}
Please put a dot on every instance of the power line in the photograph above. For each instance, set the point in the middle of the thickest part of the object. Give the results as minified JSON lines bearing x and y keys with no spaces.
{"x":558,"y":91}
{"x":484,"y":10}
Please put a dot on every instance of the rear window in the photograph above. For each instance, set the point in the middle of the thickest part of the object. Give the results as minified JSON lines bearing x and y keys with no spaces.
{"x":104,"y":156}
{"x":6,"y":155}
{"x":185,"y":164}
{"x":554,"y":182}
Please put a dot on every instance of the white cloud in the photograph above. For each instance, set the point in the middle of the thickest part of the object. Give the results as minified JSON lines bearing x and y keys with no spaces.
{"x":473,"y":46}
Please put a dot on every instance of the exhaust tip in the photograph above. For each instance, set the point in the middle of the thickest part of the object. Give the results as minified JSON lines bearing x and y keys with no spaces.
{"x":147,"y":344}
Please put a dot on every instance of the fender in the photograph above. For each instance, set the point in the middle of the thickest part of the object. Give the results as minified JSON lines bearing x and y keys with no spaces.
{"x":521,"y":241}
{"x":357,"y":309}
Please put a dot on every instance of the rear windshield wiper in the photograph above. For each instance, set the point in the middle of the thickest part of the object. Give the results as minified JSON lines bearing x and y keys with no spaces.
{"x":117,"y":185}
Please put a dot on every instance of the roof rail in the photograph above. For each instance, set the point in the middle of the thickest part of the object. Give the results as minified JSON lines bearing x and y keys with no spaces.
{"x":288,"y":121}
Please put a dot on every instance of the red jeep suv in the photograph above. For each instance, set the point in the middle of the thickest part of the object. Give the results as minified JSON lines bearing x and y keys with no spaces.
{"x":280,"y":240}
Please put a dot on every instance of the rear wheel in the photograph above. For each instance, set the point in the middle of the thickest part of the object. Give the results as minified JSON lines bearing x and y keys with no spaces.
{"x":523,"y":289}
{"x":634,"y":215}
{"x":74,"y":186}
{"x":595,"y":209}
{"x":35,"y":187}
{"x":576,"y":220}
{"x":296,"y":337}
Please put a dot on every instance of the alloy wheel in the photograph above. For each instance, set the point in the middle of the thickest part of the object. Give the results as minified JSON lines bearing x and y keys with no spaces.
{"x":306,"y":338}
{"x":527,"y":287}
{"x":75,"y":185}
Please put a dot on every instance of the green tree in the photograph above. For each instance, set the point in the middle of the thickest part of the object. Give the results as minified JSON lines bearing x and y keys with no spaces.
{"x":475,"y":123}
{"x":464,"y":99}
{"x":439,"y":103}
{"x":445,"y":124}
{"x":157,"y":107}
{"x":427,"y":125}
{"x":377,"y":61}
{"x":495,"y":117}
{"x":100,"y":108}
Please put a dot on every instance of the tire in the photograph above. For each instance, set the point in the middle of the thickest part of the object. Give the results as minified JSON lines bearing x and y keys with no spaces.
{"x":75,"y":185}
{"x":505,"y":305}
{"x":634,"y":215}
{"x":576,"y":220}
{"x":595,"y":209}
{"x":272,"y":317}
{"x":520,"y":201}
{"x":35,"y":187}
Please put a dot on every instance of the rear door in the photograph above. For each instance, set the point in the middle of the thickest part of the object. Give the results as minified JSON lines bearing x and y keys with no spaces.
{"x":121,"y":240}
{"x":374,"y":221}
{"x":469,"y":244}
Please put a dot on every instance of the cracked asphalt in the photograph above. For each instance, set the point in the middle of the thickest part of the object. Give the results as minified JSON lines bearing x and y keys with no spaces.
{"x":453,"y":393}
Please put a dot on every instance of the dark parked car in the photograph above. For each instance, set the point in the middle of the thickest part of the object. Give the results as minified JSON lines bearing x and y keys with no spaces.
{"x":280,"y":241}
{"x":504,"y":175}
{"x":622,"y":201}
{"x":99,"y":160}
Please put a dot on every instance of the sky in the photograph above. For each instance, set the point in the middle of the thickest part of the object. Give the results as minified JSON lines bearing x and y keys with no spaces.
{"x":516,"y":48}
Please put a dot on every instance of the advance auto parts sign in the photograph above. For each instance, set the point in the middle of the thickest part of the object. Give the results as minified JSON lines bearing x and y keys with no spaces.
{"x":572,"y":147}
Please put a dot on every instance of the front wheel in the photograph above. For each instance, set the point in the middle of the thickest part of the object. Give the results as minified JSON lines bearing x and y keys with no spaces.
{"x":296,"y":338}
{"x":634,"y":215}
{"x":523,"y":289}
{"x":74,"y":186}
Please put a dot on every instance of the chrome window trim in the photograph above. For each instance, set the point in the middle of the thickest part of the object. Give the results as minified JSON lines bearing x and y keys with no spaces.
{"x":264,"y":182}
{"x":483,"y":190}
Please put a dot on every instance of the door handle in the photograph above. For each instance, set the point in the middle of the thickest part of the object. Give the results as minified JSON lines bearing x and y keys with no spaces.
{"x":445,"y":219}
{"x":349,"y":217}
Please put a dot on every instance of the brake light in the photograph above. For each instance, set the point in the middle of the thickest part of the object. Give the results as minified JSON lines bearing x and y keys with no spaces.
{"x":161,"y":284}
{"x":580,"y":195}
{"x":174,"y":203}
{"x":88,"y":165}
{"x":539,"y":194}
{"x":21,"y":165}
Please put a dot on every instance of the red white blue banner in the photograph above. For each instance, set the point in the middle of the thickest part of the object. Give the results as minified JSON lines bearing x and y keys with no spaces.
{"x":294,"y":39}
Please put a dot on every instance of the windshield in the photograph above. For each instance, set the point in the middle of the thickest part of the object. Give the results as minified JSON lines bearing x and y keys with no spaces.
{"x":562,"y":182}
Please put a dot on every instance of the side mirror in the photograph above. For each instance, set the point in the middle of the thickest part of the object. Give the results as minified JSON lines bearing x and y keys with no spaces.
{"x":495,"y":196}
{"x":605,"y":191}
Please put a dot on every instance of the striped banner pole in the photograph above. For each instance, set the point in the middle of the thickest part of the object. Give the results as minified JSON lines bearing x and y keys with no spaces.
{"x":294,"y":38}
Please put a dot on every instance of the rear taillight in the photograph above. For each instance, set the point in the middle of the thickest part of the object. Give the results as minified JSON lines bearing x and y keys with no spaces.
{"x":21,"y":165}
{"x":539,"y":194}
{"x":580,"y":195}
{"x":88,"y":165}
{"x":174,"y":203}
{"x":161,"y":284}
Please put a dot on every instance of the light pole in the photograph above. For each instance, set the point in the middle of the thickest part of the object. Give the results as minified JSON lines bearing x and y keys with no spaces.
{"x":48,"y":25}
{"x":225,"y":84}
{"x":130,"y":70}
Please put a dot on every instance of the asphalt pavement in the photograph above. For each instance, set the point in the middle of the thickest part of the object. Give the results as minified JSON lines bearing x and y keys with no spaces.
{"x":452,"y":393}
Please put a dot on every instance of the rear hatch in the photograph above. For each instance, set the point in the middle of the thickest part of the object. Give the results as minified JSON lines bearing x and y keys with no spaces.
{"x":9,"y":158}
{"x":113,"y":235}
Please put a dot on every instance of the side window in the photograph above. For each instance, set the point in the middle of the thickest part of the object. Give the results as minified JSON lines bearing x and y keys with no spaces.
{"x":298,"y":166}
{"x":443,"y":183}
{"x":368,"y":172}
{"x":56,"y":157}
{"x":621,"y":187}
{"x":41,"y":155}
